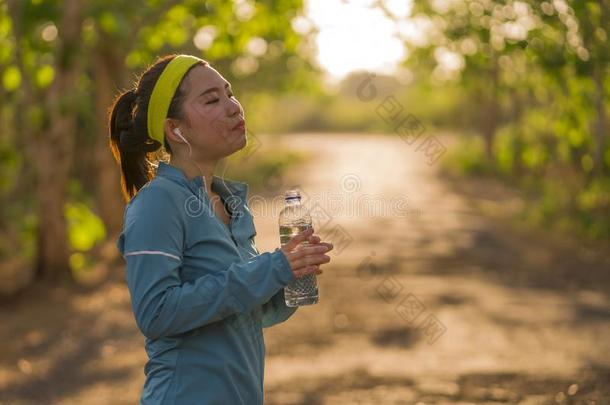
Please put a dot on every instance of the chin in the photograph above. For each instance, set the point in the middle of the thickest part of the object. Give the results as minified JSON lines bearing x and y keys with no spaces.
{"x":236,"y":145}
{"x":242,"y":142}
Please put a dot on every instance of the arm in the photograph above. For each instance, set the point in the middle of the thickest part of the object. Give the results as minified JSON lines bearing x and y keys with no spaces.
{"x":152,"y":242}
{"x":275,"y":311}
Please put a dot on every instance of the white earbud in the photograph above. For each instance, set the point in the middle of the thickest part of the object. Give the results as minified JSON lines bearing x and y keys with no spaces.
{"x":179,"y":133}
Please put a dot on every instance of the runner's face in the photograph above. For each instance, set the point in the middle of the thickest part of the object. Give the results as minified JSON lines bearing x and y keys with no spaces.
{"x":211,"y":114}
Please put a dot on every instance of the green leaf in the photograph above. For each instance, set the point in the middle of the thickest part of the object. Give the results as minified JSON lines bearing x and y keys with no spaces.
{"x":108,"y":23}
{"x":77,"y":261}
{"x":11,"y":79}
{"x":85,"y":228}
{"x":44,"y":76}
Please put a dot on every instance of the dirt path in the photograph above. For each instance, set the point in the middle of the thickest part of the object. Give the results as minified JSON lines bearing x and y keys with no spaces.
{"x":426,"y":301}
{"x":519,"y":318}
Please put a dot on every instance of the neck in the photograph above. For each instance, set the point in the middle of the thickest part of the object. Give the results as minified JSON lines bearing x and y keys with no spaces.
{"x":194,"y":169}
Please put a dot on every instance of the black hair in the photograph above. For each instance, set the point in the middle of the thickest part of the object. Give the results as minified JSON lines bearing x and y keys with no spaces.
{"x":128,"y":127}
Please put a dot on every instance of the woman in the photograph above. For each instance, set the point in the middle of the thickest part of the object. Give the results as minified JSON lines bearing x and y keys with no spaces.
{"x":201,"y":292}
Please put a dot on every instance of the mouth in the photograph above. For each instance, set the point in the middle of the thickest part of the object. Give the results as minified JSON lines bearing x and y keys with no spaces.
{"x":240,"y":125}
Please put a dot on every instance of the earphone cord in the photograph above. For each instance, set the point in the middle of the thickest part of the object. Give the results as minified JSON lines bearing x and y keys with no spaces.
{"x":191,"y":158}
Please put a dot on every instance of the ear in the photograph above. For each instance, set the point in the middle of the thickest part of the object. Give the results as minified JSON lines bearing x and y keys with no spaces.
{"x":168,"y":127}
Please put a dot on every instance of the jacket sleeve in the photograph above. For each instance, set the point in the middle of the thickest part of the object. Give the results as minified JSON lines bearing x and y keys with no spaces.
{"x":276,"y":311}
{"x":152,"y":245}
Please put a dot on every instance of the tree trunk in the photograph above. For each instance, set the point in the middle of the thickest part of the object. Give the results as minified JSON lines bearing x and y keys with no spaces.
{"x":53,"y":249}
{"x":600,"y":68}
{"x":491,"y":113}
{"x":57,"y":149}
{"x":517,"y":149}
{"x":600,"y":121}
{"x":109,"y":70}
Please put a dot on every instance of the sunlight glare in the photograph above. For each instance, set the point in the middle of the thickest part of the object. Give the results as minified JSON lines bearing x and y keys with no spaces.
{"x":353,"y":36}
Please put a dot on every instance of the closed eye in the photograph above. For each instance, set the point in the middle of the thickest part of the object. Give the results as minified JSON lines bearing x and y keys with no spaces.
{"x":216,"y":100}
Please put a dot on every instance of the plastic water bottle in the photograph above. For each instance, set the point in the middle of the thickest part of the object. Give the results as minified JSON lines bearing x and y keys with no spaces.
{"x":294,"y":218}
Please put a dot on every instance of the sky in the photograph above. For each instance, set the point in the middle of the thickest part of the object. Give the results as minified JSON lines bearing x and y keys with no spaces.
{"x":353,"y":36}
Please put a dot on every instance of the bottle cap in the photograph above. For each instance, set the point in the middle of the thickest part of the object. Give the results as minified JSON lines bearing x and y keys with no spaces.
{"x":292,"y":194}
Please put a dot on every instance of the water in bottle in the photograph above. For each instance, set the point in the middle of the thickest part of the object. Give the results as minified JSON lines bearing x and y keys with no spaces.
{"x":295,"y":218}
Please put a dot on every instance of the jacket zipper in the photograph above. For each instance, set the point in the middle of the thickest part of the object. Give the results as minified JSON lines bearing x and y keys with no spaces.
{"x":222,"y":224}
{"x":228,"y":230}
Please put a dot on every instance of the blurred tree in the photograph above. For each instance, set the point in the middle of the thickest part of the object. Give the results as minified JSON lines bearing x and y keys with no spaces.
{"x":242,"y":39}
{"x":592,"y":57}
{"x":495,"y":47}
{"x":469,"y":40}
{"x":63,"y":62}
{"x":535,"y":77}
{"x":49,"y":145}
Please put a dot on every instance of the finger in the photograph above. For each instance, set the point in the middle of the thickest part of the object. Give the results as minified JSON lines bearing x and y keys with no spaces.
{"x":314,"y":239}
{"x":329,"y":246}
{"x":305,"y":250}
{"x":308,"y":250}
{"x":298,"y":238}
{"x":307,"y":271}
{"x":309,"y":261}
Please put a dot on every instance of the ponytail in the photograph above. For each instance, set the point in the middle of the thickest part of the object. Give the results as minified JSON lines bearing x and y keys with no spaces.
{"x":128,"y":126}
{"x":129,"y":146}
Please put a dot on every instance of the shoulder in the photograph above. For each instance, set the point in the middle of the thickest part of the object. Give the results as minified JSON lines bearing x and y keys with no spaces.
{"x":154,"y":219}
{"x":158,"y":198}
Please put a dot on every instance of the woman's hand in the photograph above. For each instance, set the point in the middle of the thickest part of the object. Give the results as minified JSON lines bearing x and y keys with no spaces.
{"x":305,"y":259}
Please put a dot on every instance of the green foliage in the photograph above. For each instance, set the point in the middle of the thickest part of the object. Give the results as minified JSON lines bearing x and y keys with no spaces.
{"x":129,"y":36}
{"x":467,"y":157}
{"x":535,"y":78}
{"x":85,"y":228}
{"x":11,"y":79}
{"x":18,"y":238}
{"x":341,"y":110}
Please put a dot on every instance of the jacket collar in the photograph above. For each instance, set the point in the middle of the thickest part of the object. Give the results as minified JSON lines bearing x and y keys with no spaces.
{"x":224,"y":187}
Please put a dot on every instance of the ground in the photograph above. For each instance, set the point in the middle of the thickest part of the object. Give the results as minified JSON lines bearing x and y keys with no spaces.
{"x":433,"y":296}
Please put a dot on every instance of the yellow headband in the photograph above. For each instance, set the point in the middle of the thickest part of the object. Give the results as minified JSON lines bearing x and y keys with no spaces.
{"x":163,"y":92}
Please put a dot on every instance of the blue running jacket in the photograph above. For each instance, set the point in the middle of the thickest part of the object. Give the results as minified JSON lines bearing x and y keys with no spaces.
{"x":200,"y":291}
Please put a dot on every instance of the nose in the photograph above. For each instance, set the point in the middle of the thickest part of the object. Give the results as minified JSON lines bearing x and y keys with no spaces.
{"x":233,"y":107}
